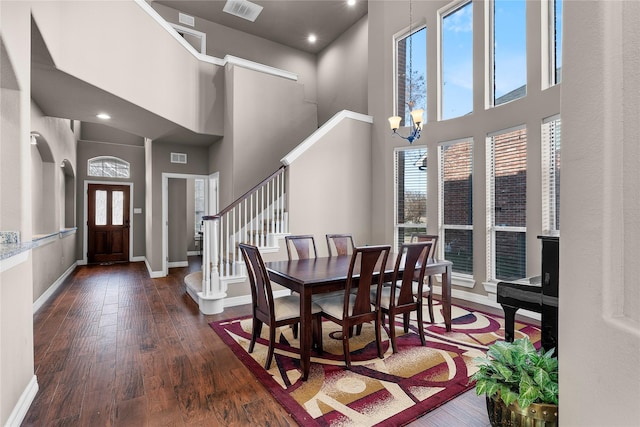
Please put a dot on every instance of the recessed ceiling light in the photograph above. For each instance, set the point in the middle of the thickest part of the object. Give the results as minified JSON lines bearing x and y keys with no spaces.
{"x":312,"y":38}
{"x":351,"y":2}
{"x":103,"y":116}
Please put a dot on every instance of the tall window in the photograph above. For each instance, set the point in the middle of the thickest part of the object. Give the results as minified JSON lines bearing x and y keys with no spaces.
{"x":199,"y":202}
{"x":551,"y":137}
{"x":411,"y":73}
{"x":411,"y":192}
{"x":555,"y":38}
{"x":507,"y":204}
{"x":108,"y":167}
{"x":456,"y":204}
{"x":457,"y":62}
{"x":509,"y":45}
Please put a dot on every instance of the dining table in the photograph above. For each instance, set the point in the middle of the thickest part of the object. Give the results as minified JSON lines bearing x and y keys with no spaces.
{"x":315,"y":276}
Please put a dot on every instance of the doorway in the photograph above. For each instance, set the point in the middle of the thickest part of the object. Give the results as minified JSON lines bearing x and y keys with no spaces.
{"x":108,"y":223}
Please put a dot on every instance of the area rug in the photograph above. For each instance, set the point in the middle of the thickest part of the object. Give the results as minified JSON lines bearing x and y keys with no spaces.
{"x":392,"y":391}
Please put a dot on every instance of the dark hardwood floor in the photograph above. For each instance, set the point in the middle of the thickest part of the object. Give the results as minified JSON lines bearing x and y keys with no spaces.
{"x":114,"y":347}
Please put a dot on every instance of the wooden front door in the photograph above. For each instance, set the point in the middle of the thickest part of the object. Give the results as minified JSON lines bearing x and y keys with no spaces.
{"x":108,"y":223}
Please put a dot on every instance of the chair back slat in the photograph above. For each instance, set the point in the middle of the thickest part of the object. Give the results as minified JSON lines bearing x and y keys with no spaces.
{"x":341,"y":244}
{"x":413,"y":257}
{"x":261,"y":292}
{"x":366,"y":262}
{"x":422,"y":237}
{"x":305,"y":246}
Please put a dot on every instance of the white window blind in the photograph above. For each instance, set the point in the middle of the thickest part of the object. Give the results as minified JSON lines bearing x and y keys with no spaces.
{"x":507,"y":204}
{"x":410,"y":165}
{"x":551,"y":137}
{"x":456,"y":204}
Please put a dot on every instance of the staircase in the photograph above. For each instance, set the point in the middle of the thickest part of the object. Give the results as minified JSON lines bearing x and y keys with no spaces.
{"x":258,"y":218}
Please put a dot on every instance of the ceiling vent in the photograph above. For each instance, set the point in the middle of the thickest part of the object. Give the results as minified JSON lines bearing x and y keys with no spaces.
{"x":179,"y":158}
{"x":243,"y":9}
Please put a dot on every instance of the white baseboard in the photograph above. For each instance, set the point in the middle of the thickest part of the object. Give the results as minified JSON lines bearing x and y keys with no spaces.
{"x":193,"y":253}
{"x":484,"y":300}
{"x":137,"y":259}
{"x":22,"y":406}
{"x":47,"y":294}
{"x":175,"y":264}
{"x":153,"y":274}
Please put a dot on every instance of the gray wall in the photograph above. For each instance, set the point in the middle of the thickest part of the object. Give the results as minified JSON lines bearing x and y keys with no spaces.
{"x":329,"y":186}
{"x":389,"y":19}
{"x":222,"y":41}
{"x":343,"y":73}
{"x":17,"y":373}
{"x":160,"y":158}
{"x":266,"y":117}
{"x":135,"y":156}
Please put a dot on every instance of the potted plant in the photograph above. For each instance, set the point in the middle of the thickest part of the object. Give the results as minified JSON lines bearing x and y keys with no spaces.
{"x":519,"y":382}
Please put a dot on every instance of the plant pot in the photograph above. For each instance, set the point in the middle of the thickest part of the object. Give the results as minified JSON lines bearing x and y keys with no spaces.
{"x":536,"y":415}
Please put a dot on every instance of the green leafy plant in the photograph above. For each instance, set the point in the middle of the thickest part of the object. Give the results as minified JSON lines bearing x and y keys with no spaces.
{"x":518,"y":372}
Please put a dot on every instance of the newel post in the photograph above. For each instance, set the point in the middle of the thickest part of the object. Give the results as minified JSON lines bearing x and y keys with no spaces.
{"x":211,"y":299}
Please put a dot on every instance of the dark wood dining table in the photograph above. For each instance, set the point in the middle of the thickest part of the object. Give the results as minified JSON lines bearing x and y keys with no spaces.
{"x":314,"y":276}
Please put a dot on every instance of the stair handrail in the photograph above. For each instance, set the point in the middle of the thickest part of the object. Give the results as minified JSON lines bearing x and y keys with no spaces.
{"x":238,"y":223}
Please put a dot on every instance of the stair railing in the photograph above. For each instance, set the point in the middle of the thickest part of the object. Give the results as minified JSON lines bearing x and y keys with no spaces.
{"x":252,"y":218}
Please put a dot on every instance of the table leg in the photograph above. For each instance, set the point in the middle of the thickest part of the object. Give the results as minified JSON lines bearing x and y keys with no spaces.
{"x":509,"y":322}
{"x":305,"y":332}
{"x":446,"y":297}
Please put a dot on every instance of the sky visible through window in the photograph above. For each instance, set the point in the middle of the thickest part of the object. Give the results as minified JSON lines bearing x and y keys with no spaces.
{"x":457,"y":62}
{"x":510,"y":47}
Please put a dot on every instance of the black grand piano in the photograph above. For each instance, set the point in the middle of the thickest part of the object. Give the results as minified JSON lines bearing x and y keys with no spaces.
{"x":539,"y":294}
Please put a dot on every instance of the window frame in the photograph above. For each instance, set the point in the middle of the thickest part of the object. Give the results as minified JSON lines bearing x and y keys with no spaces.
{"x":491,"y":228}
{"x":396,"y":225}
{"x":442,"y":14}
{"x":442,"y":227}
{"x":115,"y":160}
{"x":490,"y":60}
{"x":403,"y":34}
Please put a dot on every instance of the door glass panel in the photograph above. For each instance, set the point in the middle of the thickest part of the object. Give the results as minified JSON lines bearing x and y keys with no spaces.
{"x":101,"y":207}
{"x":117,"y":210}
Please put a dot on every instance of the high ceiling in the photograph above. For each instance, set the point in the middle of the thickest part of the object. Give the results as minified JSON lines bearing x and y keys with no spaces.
{"x":288,"y":22}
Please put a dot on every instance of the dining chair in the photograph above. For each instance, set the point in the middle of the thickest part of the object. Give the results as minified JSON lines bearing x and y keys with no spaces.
{"x":406,"y":295}
{"x":341,"y":244}
{"x":305,"y":246}
{"x":275,"y":312}
{"x":366,"y":272}
{"x":433,"y":238}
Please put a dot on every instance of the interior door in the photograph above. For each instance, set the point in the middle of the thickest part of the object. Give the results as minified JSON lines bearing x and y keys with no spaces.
{"x":108,"y":223}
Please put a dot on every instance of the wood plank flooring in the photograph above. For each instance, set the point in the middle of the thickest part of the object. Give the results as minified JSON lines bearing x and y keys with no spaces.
{"x":116,"y":348}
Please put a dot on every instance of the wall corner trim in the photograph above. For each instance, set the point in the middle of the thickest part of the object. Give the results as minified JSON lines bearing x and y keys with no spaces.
{"x":322,"y":131}
{"x":153,"y":274}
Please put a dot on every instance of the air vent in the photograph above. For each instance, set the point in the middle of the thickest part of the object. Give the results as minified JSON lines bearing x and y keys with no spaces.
{"x":243,"y":9}
{"x":179,"y":158}
{"x":185,"y":19}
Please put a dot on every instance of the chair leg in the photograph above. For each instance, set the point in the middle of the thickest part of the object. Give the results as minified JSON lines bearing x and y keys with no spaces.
{"x":392,"y":332}
{"x":430,"y":300}
{"x":257,"y":330}
{"x":317,"y":333}
{"x":272,"y":343}
{"x":345,"y":346}
{"x":295,"y":330}
{"x":359,"y":329}
{"x":405,"y":322}
{"x":420,"y":323}
{"x":378,"y":327}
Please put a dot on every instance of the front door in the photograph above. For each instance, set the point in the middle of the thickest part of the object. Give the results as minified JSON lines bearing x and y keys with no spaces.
{"x":108,"y":223}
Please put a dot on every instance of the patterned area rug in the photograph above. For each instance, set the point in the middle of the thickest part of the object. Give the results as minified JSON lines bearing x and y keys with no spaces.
{"x":392,"y":391}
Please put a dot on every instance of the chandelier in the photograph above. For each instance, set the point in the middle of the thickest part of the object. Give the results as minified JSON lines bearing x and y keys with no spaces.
{"x":417,"y":114}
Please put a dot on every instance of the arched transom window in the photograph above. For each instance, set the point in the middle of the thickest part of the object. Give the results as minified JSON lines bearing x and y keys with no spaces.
{"x":108,"y":167}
